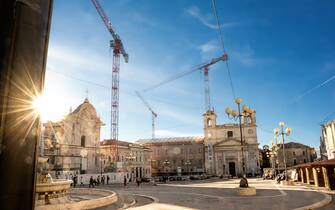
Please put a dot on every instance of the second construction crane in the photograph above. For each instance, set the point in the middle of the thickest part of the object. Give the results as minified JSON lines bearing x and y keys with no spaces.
{"x":117,"y":46}
{"x":153,"y":114}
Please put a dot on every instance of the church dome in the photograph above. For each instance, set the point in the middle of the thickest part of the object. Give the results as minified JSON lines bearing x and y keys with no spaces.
{"x":86,"y":106}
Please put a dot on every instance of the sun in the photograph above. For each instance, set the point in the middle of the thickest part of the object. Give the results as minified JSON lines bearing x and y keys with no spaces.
{"x":40,"y":106}
{"x":49,"y":107}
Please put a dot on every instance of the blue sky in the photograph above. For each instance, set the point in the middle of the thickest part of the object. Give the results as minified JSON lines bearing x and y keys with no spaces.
{"x":279,"y":52}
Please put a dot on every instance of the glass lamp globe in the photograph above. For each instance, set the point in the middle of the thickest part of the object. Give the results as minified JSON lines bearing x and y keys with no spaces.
{"x":228,"y":111}
{"x":281,"y":124}
{"x":245,"y":108}
{"x":276,"y":131}
{"x":238,"y":100}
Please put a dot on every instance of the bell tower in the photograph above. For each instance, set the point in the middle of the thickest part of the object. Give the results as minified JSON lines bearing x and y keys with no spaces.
{"x":209,"y":124}
{"x":209,"y":136}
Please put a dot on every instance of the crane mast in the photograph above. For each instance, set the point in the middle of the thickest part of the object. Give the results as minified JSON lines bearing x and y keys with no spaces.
{"x":205,"y":68}
{"x":118,"y":48}
{"x":153,"y":114}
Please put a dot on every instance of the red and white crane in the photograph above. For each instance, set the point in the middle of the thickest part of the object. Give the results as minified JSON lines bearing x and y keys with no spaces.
{"x":118,"y":48}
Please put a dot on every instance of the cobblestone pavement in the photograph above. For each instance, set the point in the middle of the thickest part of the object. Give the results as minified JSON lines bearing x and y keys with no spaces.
{"x":218,"y":194}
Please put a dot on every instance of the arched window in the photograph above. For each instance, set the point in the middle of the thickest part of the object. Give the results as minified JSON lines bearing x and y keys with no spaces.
{"x":82,"y":141}
{"x":209,"y":122}
{"x":230,"y":134}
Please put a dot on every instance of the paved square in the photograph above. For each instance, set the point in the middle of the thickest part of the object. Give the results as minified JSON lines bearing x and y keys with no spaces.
{"x":218,"y":194}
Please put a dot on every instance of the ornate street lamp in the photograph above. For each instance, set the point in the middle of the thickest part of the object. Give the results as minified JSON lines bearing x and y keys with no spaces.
{"x":246,"y":114}
{"x":281,"y":131}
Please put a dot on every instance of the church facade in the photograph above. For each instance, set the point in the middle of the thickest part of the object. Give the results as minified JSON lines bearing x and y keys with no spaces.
{"x":72,"y":144}
{"x":222,"y":144}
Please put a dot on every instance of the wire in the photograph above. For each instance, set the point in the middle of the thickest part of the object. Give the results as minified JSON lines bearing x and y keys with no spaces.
{"x":122,"y":91}
{"x":222,"y":44}
{"x":327,"y":118}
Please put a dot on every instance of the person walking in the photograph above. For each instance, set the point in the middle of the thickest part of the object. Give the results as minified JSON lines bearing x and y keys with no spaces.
{"x":138,"y":181}
{"x":103,"y":180}
{"x":75,"y":180}
{"x":91,"y":182}
{"x":124,"y":181}
{"x":107,"y":179}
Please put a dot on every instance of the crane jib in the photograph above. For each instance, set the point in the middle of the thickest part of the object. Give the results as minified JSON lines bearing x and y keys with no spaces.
{"x":109,"y":26}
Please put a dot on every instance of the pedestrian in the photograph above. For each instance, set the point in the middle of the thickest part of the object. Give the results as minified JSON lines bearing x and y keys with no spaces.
{"x":107,"y":179}
{"x":138,"y":181}
{"x":103,"y":179}
{"x":91,"y":182}
{"x":81,"y":181}
{"x":75,"y":180}
{"x":98,"y":180}
{"x":124,"y":181}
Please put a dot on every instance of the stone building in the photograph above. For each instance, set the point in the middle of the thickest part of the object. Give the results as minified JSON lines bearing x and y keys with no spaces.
{"x":327,"y":140}
{"x":176,"y":156}
{"x":222,"y":143}
{"x":132,"y":158}
{"x":72,"y":144}
{"x":295,"y":153}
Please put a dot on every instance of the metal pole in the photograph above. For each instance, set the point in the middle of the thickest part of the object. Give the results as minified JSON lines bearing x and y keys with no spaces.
{"x":101,"y":165}
{"x":282,"y":133}
{"x":242,"y":149}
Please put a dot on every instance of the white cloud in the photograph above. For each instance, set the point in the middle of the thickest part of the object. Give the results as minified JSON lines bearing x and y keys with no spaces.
{"x":194,"y":11}
{"x":61,"y":57}
{"x":209,"y":47}
{"x":247,"y":57}
{"x":181,"y":116}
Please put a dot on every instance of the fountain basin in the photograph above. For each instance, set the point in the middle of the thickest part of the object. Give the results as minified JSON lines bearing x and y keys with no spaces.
{"x":246,"y":191}
{"x":52,"y":192}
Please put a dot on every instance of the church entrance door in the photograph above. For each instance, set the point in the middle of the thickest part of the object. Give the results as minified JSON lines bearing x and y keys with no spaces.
{"x":232,"y":169}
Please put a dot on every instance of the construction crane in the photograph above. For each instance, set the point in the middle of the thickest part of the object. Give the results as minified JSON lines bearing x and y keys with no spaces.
{"x":118,"y":48}
{"x":153,"y":114}
{"x":205,"y":67}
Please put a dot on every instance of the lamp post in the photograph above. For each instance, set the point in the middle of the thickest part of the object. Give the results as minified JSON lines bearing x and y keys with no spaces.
{"x":274,"y":152}
{"x":165,"y":164}
{"x":281,"y":131}
{"x":188,"y":163}
{"x":129,"y":159}
{"x":246,"y":114}
{"x":101,"y":157}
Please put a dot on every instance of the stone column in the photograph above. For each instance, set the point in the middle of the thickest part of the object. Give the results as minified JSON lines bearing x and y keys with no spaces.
{"x":302,"y":175}
{"x":307,"y":176}
{"x":315,"y":176}
{"x":325,"y":177}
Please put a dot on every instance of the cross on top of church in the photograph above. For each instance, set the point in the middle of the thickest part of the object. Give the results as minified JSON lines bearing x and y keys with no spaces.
{"x":86,"y":93}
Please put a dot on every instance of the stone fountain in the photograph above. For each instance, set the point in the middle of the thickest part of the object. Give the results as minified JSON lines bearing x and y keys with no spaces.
{"x":49,"y":191}
{"x":54,"y":194}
